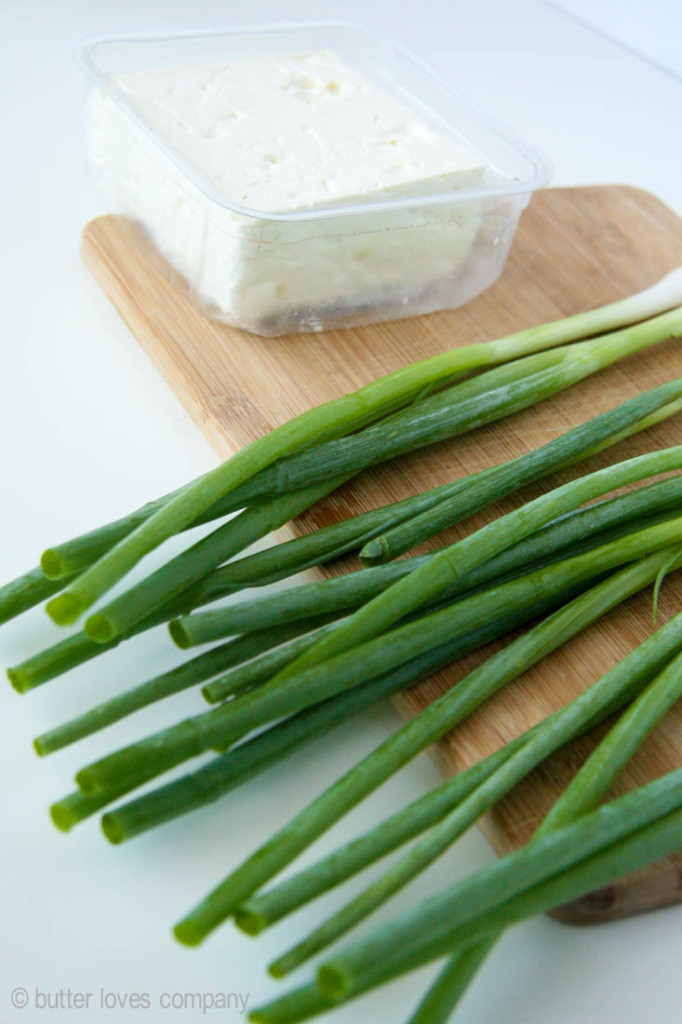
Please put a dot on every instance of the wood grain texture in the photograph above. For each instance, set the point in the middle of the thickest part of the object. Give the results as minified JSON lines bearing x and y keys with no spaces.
{"x":575,"y":249}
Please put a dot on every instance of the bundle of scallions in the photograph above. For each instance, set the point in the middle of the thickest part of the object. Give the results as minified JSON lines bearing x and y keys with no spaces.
{"x":292,"y":665}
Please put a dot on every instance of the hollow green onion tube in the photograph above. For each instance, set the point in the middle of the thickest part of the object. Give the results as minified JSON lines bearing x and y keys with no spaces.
{"x":223,"y":726}
{"x":453,"y":562}
{"x":558,"y":730}
{"x":433,"y":723}
{"x":462,"y":407}
{"x":567,"y":449}
{"x":598,"y":773}
{"x":531,"y":554}
{"x":452,"y":982}
{"x":293,"y":556}
{"x":228,"y":723}
{"x":255,"y":522}
{"x":75,"y":555}
{"x":469,"y":910}
{"x":131,"y":607}
{"x":294,"y":1007}
{"x":643,"y":845}
{"x":591,"y":783}
{"x":212,"y":663}
{"x":332,"y":419}
{"x":78,"y":806}
{"x":27,"y":591}
{"x":353,"y":589}
{"x":260,"y":669}
{"x":419,"y":424}
{"x":223,"y":774}
{"x":82,"y":551}
{"x":614,"y":689}
{"x":79,"y":553}
{"x":79,"y":649}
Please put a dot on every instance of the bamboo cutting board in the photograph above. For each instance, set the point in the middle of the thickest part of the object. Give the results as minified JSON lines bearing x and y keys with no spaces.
{"x":575,"y":249}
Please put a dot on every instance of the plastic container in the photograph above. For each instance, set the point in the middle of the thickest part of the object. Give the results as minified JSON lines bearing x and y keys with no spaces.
{"x":334,"y":266}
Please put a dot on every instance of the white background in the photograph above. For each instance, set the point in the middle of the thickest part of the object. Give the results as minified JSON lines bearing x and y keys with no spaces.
{"x":88,"y":430}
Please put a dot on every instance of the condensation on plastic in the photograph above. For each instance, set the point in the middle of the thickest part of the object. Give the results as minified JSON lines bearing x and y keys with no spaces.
{"x":337,"y":266}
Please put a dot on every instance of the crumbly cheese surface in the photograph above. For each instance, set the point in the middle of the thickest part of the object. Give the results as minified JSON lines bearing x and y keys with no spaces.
{"x":278,"y":135}
{"x":287,"y":133}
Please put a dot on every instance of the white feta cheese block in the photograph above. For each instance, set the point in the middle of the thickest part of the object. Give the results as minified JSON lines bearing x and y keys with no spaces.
{"x":245,"y":175}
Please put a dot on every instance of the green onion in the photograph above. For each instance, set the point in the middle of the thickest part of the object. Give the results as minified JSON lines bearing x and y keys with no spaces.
{"x":462,"y":407}
{"x":293,"y":1007}
{"x":639,"y":827}
{"x":576,"y":530}
{"x":333,"y":419}
{"x":610,"y":692}
{"x":228,"y":723}
{"x":574,"y":533}
{"x":191,"y":565}
{"x":77,"y":554}
{"x":78,"y":649}
{"x":320,"y":546}
{"x":224,"y":773}
{"x":589,"y":786}
{"x":55,"y":661}
{"x":451,"y":563}
{"x":268,"y":907}
{"x":592,"y":782}
{"x":436,"y":720}
{"x":27,"y":591}
{"x":258,"y":670}
{"x":577,"y":444}
{"x":555,"y":732}
{"x":340,"y":980}
{"x":450,"y":985}
{"x":240,"y":650}
{"x":78,"y":806}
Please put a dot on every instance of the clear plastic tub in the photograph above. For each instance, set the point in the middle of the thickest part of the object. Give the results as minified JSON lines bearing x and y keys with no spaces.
{"x":329,"y":266}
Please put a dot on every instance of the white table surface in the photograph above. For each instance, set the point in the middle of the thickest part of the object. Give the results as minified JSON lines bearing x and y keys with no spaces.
{"x":88,"y":429}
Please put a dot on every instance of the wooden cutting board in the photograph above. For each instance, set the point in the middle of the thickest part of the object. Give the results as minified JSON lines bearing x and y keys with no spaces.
{"x":575,"y":249}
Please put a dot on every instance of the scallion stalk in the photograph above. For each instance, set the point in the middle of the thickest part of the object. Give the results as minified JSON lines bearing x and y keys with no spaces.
{"x":231,"y":769}
{"x":169,"y":581}
{"x":77,"y":554}
{"x":577,"y":444}
{"x":588,"y":787}
{"x":619,"y":837}
{"x":615,"y":688}
{"x":450,"y":564}
{"x":556,"y":731}
{"x":241,"y":650}
{"x":229,"y":723}
{"x":334,"y":419}
{"x":436,"y":720}
{"x":27,"y":591}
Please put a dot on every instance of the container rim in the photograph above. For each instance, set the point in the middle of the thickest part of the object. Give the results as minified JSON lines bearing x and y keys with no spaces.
{"x":541,"y":168}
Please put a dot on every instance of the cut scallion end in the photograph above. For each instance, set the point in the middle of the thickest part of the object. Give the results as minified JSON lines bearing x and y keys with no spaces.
{"x":62,"y":818}
{"x":52,"y":565}
{"x":99,"y":629}
{"x":187,"y":934}
{"x":112,"y":829}
{"x":19,"y":680}
{"x":65,"y":609}
{"x":76,"y":807}
{"x":252,"y":923}
{"x":179,"y":635}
